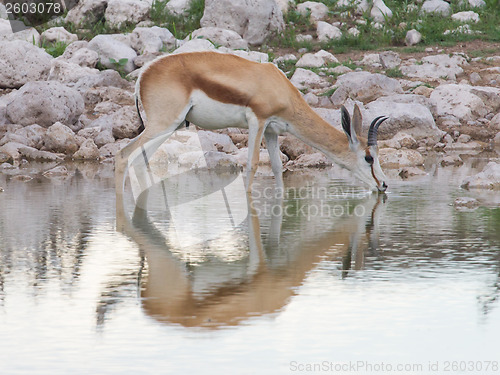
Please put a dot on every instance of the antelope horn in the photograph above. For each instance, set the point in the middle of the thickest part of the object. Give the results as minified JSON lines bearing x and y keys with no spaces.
{"x":372,"y":133}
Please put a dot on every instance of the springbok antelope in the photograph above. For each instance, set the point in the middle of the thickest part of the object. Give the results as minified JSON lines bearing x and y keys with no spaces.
{"x":215,"y":90}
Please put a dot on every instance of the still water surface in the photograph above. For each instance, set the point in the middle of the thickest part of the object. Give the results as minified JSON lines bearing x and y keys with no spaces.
{"x":324,"y":276}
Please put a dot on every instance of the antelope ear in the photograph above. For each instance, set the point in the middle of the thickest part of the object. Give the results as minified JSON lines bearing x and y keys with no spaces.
{"x":357,"y":119}
{"x":348,"y":129}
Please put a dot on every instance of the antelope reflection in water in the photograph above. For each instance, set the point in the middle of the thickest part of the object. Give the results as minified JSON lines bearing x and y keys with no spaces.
{"x":262,"y":260}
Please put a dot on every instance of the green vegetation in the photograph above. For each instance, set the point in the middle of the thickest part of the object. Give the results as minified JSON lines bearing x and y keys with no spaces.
{"x":392,"y":33}
{"x":54,"y":49}
{"x":181,"y":26}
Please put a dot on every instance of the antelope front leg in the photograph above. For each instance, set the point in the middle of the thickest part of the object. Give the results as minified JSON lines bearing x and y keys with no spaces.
{"x":255,"y":132}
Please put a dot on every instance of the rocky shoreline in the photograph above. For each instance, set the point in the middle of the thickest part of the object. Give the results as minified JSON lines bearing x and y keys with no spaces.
{"x":54,"y":109}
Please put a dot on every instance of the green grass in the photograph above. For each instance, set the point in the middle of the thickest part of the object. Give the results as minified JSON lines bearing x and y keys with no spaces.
{"x":180,"y":26}
{"x":393,"y":33}
{"x":54,"y":49}
{"x":394,"y":73}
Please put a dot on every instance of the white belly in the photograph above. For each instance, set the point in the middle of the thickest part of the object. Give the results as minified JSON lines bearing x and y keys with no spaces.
{"x":211,"y":114}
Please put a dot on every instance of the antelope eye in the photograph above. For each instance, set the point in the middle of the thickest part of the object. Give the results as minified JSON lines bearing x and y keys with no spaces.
{"x":369,"y":159}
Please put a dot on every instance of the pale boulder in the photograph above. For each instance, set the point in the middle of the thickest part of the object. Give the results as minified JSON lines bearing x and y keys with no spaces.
{"x":254,"y":20}
{"x":411,"y":118}
{"x":303,"y":78}
{"x":66,"y":72}
{"x":413,"y":37}
{"x":87,"y":11}
{"x":151,"y":39}
{"x":61,"y":139}
{"x":195,"y":45}
{"x":316,"y":60}
{"x":45,"y":103}
{"x":109,"y":49}
{"x":318,"y":11}
{"x":364,"y":86}
{"x":58,"y":34}
{"x":22,"y":62}
{"x":326,"y":32}
{"x":79,"y":53}
{"x":224,"y":37}
{"x":457,"y":101}
{"x":87,"y":151}
{"x":468,"y":16}
{"x":391,"y":158}
{"x":380,"y":12}
{"x":436,"y":67}
{"x":178,"y":7}
{"x":438,"y":7}
{"x":120,"y":11}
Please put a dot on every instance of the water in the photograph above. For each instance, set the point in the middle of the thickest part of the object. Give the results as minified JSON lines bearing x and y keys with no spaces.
{"x":327,"y":279}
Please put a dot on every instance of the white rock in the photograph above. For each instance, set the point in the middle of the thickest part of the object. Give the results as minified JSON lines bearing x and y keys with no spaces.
{"x":87,"y":151}
{"x":439,"y":7}
{"x":109,"y":48}
{"x":364,"y":86}
{"x":151,"y":39}
{"x":178,"y":7}
{"x":316,"y":160}
{"x":488,"y":178}
{"x":391,"y":158}
{"x":473,"y":3}
{"x":22,"y":62}
{"x":413,"y":37}
{"x":260,"y":57}
{"x":303,"y":78}
{"x":372,"y":59}
{"x":120,"y":11}
{"x":58,"y":34}
{"x":304,"y":38}
{"x":254,"y":20}
{"x":83,"y":57}
{"x":195,"y":45}
{"x":45,"y":103}
{"x":412,"y":118}
{"x":316,"y":60}
{"x":327,"y":32}
{"x":468,"y":16}
{"x":353,"y":31}
{"x":224,"y":37}
{"x":124,"y":123}
{"x":60,"y":138}
{"x":436,"y":67}
{"x":319,"y":11}
{"x":361,"y":6}
{"x":67,"y":72}
{"x":380,"y":12}
{"x":457,"y":101}
{"x":87,"y":11}
{"x":30,"y":35}
{"x":389,"y":59}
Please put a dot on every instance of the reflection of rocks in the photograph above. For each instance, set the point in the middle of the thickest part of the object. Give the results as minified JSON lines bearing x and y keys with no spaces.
{"x":466,"y":202}
{"x":488,"y":178}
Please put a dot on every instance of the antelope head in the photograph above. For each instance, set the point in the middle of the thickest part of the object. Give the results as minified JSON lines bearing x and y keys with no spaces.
{"x":365,"y":165}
